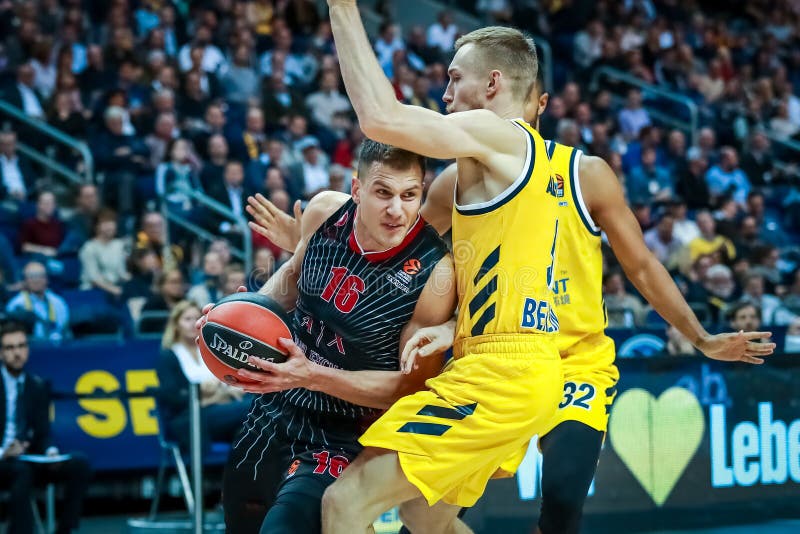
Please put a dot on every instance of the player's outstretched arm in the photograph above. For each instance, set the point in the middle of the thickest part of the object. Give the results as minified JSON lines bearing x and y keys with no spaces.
{"x":437,"y":210}
{"x":274,"y":224}
{"x":479,"y":134}
{"x":375,"y":389}
{"x":606,"y":202}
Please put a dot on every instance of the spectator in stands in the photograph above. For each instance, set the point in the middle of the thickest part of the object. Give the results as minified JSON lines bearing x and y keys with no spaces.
{"x":633,"y":117}
{"x":772,"y":310}
{"x":649,"y":182}
{"x":263,"y":268}
{"x":25,"y":424}
{"x":232,"y":194}
{"x":748,"y":236}
{"x":177,"y":174}
{"x":691,"y":183}
{"x":16,"y":174}
{"x":707,"y":143}
{"x":233,"y":277}
{"x":744,"y":315}
{"x":388,"y":42}
{"x":165,"y":131}
{"x":222,"y":407}
{"x":211,"y":58}
{"x":152,"y":236}
{"x":280,"y":101}
{"x":588,"y":44}
{"x":709,"y":241}
{"x":120,"y":157}
{"x":727,"y":178}
{"x":327,"y":101}
{"x":247,"y":147}
{"x":299,"y":68}
{"x":36,"y":305}
{"x":42,"y":234}
{"x":142,"y":266}
{"x":171,"y":290}
{"x":23,"y":94}
{"x":442,"y":33}
{"x":758,"y":160}
{"x":239,"y":81}
{"x":209,"y":289}
{"x":791,"y":300}
{"x":309,"y":176}
{"x":720,"y":289}
{"x":764,"y":260}
{"x":781,"y":125}
{"x":80,"y":226}
{"x":678,"y":344}
{"x":214,"y":166}
{"x":103,"y":257}
{"x":684,"y":229}
{"x":624,"y":309}
{"x":662,"y":242}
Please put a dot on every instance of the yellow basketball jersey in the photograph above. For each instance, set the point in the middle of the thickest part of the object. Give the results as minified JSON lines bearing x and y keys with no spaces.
{"x":577,"y":284}
{"x":505,"y":251}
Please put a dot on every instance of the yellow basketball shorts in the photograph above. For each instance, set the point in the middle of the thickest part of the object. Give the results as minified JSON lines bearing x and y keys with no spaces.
{"x":481,"y":410}
{"x":590,"y":382}
{"x":590,"y":385}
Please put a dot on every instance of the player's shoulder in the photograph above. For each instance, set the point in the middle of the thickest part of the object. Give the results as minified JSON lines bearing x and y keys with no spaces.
{"x":321,"y":207}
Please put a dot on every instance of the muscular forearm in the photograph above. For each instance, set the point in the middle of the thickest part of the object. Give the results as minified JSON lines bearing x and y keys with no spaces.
{"x":374,"y":389}
{"x":282,"y":286}
{"x":656,"y":285}
{"x":370,"y":92}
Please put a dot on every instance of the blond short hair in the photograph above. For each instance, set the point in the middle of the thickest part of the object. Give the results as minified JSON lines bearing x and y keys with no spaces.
{"x":507,"y":50}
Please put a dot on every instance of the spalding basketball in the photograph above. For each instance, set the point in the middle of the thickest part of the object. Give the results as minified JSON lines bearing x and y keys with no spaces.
{"x":239,"y":326}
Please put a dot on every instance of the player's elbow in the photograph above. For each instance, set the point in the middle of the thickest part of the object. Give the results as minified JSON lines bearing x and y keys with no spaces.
{"x":377,"y":128}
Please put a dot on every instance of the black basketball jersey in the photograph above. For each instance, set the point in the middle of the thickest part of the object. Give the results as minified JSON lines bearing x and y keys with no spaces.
{"x":352,"y":304}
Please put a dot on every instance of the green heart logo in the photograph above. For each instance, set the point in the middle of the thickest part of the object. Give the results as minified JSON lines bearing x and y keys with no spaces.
{"x":656,"y":438}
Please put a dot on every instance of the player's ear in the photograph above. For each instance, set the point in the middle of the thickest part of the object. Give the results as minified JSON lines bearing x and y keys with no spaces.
{"x":355,"y":190}
{"x":543,"y":100}
{"x":494,"y":83}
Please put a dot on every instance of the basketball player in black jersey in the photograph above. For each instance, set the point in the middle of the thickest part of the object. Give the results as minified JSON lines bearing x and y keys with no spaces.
{"x":367,"y":273}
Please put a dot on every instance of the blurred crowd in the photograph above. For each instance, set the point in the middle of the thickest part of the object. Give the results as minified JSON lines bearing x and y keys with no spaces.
{"x":232,"y":98}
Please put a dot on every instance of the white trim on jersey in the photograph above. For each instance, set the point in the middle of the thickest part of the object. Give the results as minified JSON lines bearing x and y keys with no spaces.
{"x":510,"y":190}
{"x":576,"y":184}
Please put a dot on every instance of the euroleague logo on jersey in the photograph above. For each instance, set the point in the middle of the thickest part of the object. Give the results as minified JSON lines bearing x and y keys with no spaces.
{"x":412,"y":266}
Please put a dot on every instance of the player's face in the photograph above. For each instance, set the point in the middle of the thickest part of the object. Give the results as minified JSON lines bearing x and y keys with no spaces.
{"x":467,"y":88}
{"x":388,"y":205}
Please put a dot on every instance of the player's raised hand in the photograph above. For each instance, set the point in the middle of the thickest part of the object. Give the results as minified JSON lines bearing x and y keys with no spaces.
{"x":295,"y":372}
{"x":738,"y":347}
{"x":427,"y":342}
{"x":272,"y":223}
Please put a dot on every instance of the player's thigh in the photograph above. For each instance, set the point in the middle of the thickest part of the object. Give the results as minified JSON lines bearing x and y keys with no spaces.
{"x":420,"y":518}
{"x":373,"y":483}
{"x":296,"y":509}
{"x":297,"y":506}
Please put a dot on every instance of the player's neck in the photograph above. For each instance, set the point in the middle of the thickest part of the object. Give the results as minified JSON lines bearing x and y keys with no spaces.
{"x":505,"y":108}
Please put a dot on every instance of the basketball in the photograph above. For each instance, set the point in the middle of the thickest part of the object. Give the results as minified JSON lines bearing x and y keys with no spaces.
{"x":239,"y":326}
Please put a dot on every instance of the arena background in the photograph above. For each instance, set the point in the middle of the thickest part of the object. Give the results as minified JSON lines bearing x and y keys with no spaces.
{"x":695,"y":105}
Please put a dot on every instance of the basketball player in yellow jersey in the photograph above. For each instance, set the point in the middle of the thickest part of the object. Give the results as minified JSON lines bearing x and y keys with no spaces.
{"x":590,"y":200}
{"x":505,"y":382}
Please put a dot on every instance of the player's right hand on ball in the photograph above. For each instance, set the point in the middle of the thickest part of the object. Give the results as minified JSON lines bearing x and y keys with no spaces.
{"x":272,"y":223}
{"x":208,"y":307}
{"x":427,"y":342}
